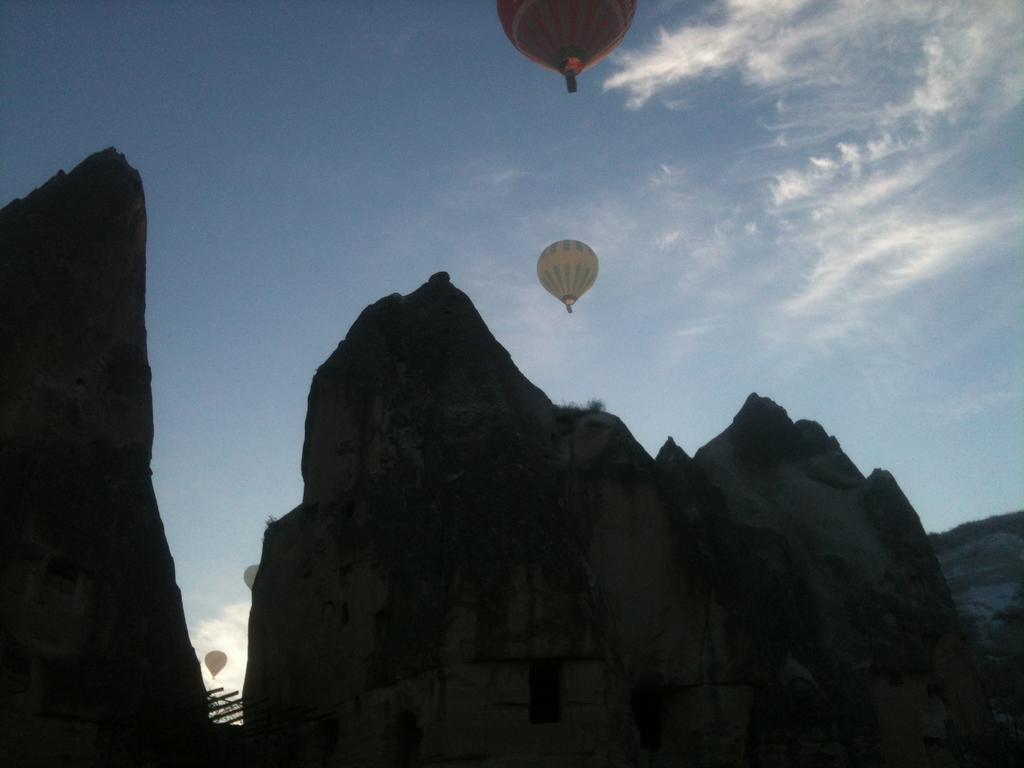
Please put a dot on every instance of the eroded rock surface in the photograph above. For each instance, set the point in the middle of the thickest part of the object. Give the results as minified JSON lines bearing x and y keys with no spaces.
{"x":476,"y":577}
{"x":95,"y":659}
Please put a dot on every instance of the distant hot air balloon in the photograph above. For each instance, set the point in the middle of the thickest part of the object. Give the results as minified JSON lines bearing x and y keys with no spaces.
{"x":567,"y":36}
{"x":215,"y":661}
{"x":250,"y":575}
{"x":567,"y":269}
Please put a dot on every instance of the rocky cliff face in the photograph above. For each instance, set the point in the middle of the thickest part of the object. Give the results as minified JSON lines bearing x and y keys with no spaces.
{"x":844,"y":586}
{"x":95,"y":658}
{"x":477,"y":577}
{"x":432,"y":555}
{"x":983,"y":563}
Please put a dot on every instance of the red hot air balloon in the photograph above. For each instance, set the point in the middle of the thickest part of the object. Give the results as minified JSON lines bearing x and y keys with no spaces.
{"x":567,"y":36}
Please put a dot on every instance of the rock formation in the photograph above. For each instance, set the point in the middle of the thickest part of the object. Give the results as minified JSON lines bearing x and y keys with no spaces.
{"x":95,"y":659}
{"x":841,"y":581}
{"x":983,"y":563}
{"x":476,"y":577}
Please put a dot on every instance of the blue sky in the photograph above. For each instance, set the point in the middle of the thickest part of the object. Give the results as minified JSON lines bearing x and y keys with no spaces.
{"x":817,"y":201}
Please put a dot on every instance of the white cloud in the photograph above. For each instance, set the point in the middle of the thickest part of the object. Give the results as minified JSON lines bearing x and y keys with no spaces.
{"x":667,"y":175}
{"x":668,"y":239}
{"x":690,"y":331}
{"x":863,"y":58}
{"x":791,"y":185}
{"x":504,"y":175}
{"x":767,"y":42}
{"x":227,"y":632}
{"x":877,"y":99}
{"x":969,"y":45}
{"x":863,"y":262}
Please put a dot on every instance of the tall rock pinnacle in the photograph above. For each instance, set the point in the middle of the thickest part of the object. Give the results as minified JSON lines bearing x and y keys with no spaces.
{"x":93,"y":645}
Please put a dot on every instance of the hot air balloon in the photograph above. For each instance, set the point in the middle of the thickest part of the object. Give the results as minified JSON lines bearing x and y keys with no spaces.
{"x":567,"y":36}
{"x":249,"y":577}
{"x":215,"y":661}
{"x":567,"y":269}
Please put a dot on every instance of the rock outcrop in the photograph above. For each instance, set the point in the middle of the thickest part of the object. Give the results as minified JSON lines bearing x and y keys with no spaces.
{"x":840,"y":582}
{"x":480,"y":578}
{"x":983,"y":563}
{"x":95,"y":659}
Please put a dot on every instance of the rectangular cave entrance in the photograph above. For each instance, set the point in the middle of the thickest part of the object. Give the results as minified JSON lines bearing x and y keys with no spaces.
{"x":645,"y":704}
{"x":545,"y":691}
{"x":408,"y":736}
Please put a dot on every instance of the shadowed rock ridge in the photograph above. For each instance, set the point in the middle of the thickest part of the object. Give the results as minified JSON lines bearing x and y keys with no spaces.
{"x":477,"y":577}
{"x":95,"y":659}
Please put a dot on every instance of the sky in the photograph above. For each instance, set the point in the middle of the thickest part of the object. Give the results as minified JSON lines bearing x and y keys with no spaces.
{"x":822,"y":202}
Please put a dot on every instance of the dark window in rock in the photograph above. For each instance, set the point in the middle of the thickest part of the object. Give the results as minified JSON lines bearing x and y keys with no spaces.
{"x":350,"y":509}
{"x":545,"y":691}
{"x":381,"y":623}
{"x":328,"y":736}
{"x":62,"y":576}
{"x":954,"y":739}
{"x":407,"y":740}
{"x":15,"y":670}
{"x":58,"y":584}
{"x":344,"y":613}
{"x":645,"y":704}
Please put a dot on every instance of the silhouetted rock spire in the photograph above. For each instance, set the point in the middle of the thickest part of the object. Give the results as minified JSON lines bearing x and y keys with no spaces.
{"x":96,"y":659}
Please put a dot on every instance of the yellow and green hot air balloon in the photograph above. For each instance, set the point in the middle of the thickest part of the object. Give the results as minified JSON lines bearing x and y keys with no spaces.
{"x":567,"y":269}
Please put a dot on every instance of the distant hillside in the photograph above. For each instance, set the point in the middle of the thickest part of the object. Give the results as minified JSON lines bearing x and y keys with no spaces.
{"x":1012,"y":522}
{"x":983,"y":562}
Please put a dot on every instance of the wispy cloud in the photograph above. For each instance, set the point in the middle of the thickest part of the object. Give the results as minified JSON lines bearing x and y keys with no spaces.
{"x":864,"y":261}
{"x":757,"y":38}
{"x":485,"y":180}
{"x":808,"y":43}
{"x":876,"y":102}
{"x":227,"y":632}
{"x":698,"y":329}
{"x":668,"y":238}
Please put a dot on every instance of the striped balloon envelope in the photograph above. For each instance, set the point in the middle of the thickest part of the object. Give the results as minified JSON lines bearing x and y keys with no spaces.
{"x":567,"y":269}
{"x":567,"y":36}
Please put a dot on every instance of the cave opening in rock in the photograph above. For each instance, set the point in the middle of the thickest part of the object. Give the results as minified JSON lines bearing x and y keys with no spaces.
{"x":328,"y":732}
{"x":645,"y":704}
{"x":545,"y":691}
{"x":408,"y":735}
